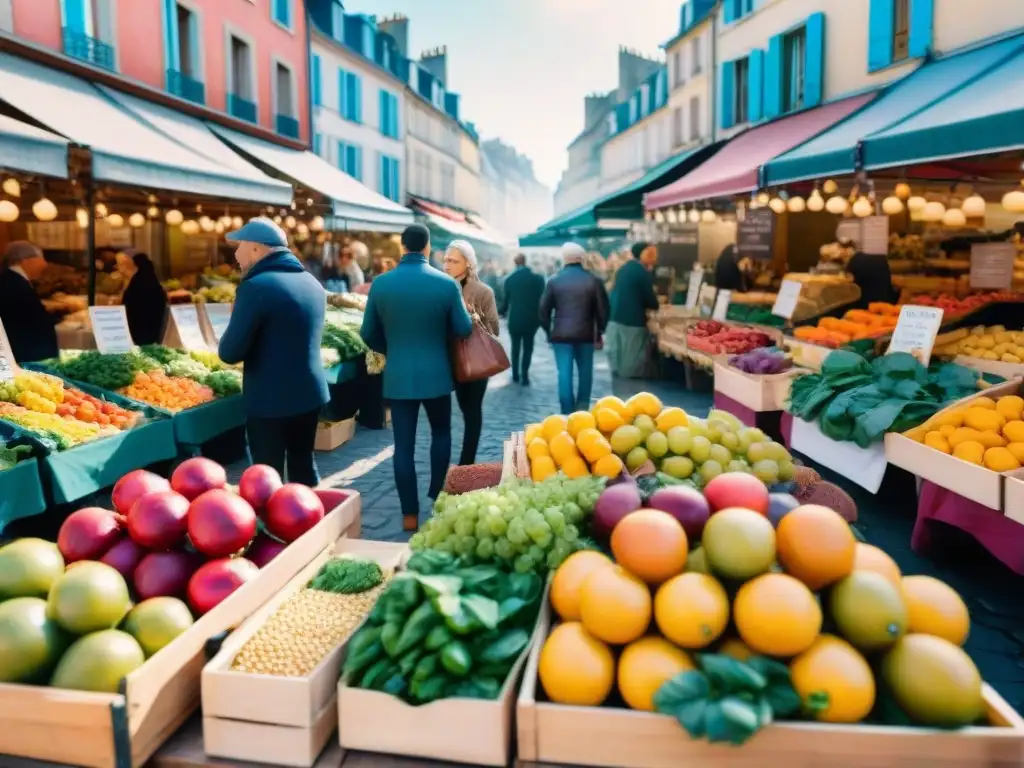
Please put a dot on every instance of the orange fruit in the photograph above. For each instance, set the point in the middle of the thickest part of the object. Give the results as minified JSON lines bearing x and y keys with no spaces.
{"x":650,"y":544}
{"x":644,"y":666}
{"x":608,"y":420}
{"x":815,"y":545}
{"x":537,"y":447}
{"x":609,"y":466}
{"x":834,"y":681}
{"x":579,"y":421}
{"x":569,"y":578}
{"x":541,"y":468}
{"x":735,"y":648}
{"x":868,"y":610}
{"x":615,"y":606}
{"x":691,"y":610}
{"x":552,"y":425}
{"x":615,"y":404}
{"x":575,"y":667}
{"x":934,"y":608}
{"x":644,"y":403}
{"x":869,"y":558}
{"x":562,"y":448}
{"x":777,"y":615}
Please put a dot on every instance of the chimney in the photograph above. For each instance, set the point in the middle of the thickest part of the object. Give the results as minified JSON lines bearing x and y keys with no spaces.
{"x":435,"y":61}
{"x":398,"y":27}
{"x":594,"y":106}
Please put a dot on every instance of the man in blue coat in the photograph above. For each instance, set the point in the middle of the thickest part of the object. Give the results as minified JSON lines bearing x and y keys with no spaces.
{"x":520,"y":300}
{"x":275,"y":331}
{"x":412,"y":314}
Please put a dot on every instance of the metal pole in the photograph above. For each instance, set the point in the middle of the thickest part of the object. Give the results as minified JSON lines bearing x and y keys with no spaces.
{"x":90,"y":243}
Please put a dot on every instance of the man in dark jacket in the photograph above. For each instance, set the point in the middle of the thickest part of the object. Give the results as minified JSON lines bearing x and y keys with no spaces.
{"x":520,"y":301}
{"x":574,"y":297}
{"x":632,"y":296}
{"x":275,"y":330}
{"x":30,"y":328}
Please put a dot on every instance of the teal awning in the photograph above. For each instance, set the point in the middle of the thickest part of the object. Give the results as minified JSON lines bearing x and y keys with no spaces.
{"x":984,"y":117}
{"x":586,"y":237}
{"x":836,"y":151}
{"x":24,"y":147}
{"x":443,"y":231}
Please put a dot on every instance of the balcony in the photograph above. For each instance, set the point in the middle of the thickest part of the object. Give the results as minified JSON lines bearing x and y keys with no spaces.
{"x":185,"y":87}
{"x":288,"y":126}
{"x":241,"y":108}
{"x":81,"y":46}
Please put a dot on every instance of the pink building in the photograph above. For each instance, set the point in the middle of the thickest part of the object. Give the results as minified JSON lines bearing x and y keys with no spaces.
{"x":242,"y":63}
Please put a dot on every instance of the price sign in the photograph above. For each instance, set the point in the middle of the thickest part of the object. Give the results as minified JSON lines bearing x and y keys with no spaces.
{"x":915,"y":331}
{"x":721,"y":305}
{"x":693,"y":289}
{"x":787,"y":299}
{"x":110,"y":329}
{"x":218,"y":315}
{"x":992,"y":265}
{"x":190,"y":332}
{"x":706,"y":300}
{"x":8,"y":365}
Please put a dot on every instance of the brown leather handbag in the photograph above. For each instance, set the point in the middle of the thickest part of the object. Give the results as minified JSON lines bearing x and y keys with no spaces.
{"x":478,"y":356}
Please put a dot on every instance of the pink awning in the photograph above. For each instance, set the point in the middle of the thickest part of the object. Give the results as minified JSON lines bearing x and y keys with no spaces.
{"x":733,"y":170}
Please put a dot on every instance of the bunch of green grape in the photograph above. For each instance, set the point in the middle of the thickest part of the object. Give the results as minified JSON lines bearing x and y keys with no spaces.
{"x":521,"y":525}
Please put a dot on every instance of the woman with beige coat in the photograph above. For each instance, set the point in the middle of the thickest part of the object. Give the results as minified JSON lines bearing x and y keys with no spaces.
{"x":461,"y":265}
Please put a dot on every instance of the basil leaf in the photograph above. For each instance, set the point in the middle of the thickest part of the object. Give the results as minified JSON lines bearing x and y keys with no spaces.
{"x":682,"y":689}
{"x":508,"y":646}
{"x":731,"y":676}
{"x":440,"y":585}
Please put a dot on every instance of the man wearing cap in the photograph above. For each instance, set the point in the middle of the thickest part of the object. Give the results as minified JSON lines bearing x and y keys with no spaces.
{"x":275,"y":330}
{"x":573,"y":314}
{"x":412,"y":314}
{"x":632,"y":296}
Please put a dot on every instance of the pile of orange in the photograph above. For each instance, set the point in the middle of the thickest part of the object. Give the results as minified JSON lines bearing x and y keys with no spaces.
{"x":173,"y":393}
{"x":92,"y":410}
{"x":631,"y":621}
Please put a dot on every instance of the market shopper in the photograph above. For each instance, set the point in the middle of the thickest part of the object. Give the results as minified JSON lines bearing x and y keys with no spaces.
{"x":31,"y":330}
{"x":872,"y":275}
{"x":275,"y":330}
{"x":412,"y":314}
{"x":573,"y":314}
{"x":632,"y":296}
{"x":461,"y":265}
{"x":144,"y":299}
{"x":520,"y":302}
{"x":731,"y":272}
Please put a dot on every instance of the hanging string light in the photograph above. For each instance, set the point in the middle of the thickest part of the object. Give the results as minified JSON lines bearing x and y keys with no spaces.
{"x":136,"y":221}
{"x":12,"y":187}
{"x":44,"y":209}
{"x":974,"y":207}
{"x":101,"y":211}
{"x":115,"y":220}
{"x":152,"y":212}
{"x":815,"y":203}
{"x":836,"y":204}
{"x":892,"y":206}
{"x":8,"y":211}
{"x":796,"y":204}
{"x":82,"y":217}
{"x":174,"y":217}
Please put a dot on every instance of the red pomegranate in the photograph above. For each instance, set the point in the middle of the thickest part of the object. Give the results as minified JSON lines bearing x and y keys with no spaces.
{"x":134,"y":486}
{"x":165,"y":574}
{"x":124,"y":557}
{"x":257,"y":484}
{"x":217,"y":579}
{"x":159,"y":520}
{"x":194,"y":477}
{"x":264,"y":549}
{"x":88,"y":533}
{"x":293,"y":510}
{"x":220,"y":523}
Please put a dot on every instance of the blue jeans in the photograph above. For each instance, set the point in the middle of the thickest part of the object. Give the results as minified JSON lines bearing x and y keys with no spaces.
{"x":404,"y":415}
{"x":583,"y":355}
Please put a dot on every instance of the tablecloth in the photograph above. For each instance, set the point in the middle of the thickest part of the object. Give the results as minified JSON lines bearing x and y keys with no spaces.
{"x":21,"y":493}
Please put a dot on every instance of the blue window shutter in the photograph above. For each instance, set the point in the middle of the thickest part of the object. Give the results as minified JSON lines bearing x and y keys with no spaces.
{"x":881,"y":27}
{"x":814,"y":59}
{"x":729,"y":8}
{"x":358,"y":172}
{"x":922,"y":15}
{"x":74,"y":16}
{"x":382,"y":108}
{"x":394,"y":116}
{"x":773,"y":78}
{"x":357,"y":88}
{"x":340,"y":159}
{"x":727,"y":118}
{"x":315,"y":83}
{"x":342,"y":103}
{"x":395,"y":177}
{"x":755,"y":86}
{"x":382,"y":173}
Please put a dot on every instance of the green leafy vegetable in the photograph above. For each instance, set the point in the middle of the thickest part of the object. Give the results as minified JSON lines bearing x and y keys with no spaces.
{"x":347,"y":576}
{"x":11,"y":455}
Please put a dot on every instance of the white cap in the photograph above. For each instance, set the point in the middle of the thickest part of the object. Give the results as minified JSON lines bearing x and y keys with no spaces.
{"x":573,"y":253}
{"x":467,"y":251}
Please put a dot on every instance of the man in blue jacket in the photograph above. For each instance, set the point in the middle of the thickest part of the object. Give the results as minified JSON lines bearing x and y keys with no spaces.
{"x":275,"y":331}
{"x":520,"y":300}
{"x":412,"y":314}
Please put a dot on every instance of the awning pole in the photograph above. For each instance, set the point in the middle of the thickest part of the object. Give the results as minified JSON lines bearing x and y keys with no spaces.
{"x":90,"y":244}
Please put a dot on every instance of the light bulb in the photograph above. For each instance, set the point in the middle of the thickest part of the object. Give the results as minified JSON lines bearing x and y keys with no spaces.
{"x":659,"y":217}
{"x":101,"y":211}
{"x":115,"y":220}
{"x":136,"y":220}
{"x":954,"y":218}
{"x":933,"y":212}
{"x":902,"y":190}
{"x":916,"y":204}
{"x":174,"y":217}
{"x":206,"y":224}
{"x":709,"y":216}
{"x":693,"y":216}
{"x":190,"y":227}
{"x":219,"y":228}
{"x":892,"y":206}
{"x":44,"y":209}
{"x":237,"y":222}
{"x":863,"y":207}
{"x":830,"y":187}
{"x":290,"y":222}
{"x":648,"y":215}
{"x":12,"y":187}
{"x":8,"y":211}
{"x":82,"y":217}
{"x":815,"y":203}
{"x":278,"y":220}
{"x":224,"y":221}
{"x":317,"y":224}
{"x":670,"y":215}
{"x":153,"y":212}
{"x":974,"y":207}
{"x":302,"y":228}
{"x":796,"y":204}
{"x":1014,"y":201}
{"x":777,"y":204}
{"x":763,"y":198}
{"x":836,"y":204}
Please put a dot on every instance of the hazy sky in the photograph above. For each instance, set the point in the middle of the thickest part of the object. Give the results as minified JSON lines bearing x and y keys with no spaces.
{"x":524,"y":66}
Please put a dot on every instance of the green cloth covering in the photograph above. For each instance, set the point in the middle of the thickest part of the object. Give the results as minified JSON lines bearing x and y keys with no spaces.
{"x":627,"y":350}
{"x":85,"y":469}
{"x":21,"y":492}
{"x":195,"y":426}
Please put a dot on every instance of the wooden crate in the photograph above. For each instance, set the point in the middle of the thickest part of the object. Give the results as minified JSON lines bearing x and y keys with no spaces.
{"x":101,"y":730}
{"x":550,"y":734}
{"x":334,"y":435}
{"x":242,"y":710}
{"x":758,"y":393}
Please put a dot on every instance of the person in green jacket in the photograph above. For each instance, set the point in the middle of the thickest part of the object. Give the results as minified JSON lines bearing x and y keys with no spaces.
{"x":520,"y":302}
{"x":632,"y":296}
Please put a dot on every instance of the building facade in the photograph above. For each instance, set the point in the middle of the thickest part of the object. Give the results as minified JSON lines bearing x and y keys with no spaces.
{"x":512,"y":200}
{"x":243,"y":61}
{"x":781,"y":56}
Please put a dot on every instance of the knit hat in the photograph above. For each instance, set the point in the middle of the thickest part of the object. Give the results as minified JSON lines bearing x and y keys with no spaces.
{"x":573,"y":253}
{"x":467,"y":251}
{"x":260,"y":230}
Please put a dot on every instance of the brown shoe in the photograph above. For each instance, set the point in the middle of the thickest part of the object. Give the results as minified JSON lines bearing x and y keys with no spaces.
{"x":410,"y":523}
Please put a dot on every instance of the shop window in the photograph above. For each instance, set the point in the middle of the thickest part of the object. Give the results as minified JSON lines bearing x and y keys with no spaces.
{"x":901,"y":30}
{"x":741,"y":99}
{"x":188,"y":42}
{"x":794,"y":47}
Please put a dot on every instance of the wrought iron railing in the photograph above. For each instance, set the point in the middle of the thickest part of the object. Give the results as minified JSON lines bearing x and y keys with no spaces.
{"x":241,"y":108}
{"x":288,"y":126}
{"x":81,"y":46}
{"x":185,"y":87}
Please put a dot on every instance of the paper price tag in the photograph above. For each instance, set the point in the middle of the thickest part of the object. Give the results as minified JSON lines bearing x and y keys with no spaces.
{"x":706,"y":300}
{"x":693,"y":288}
{"x":8,"y":365}
{"x":218,"y":315}
{"x":787,"y":299}
{"x":110,"y":329}
{"x":992,"y":265}
{"x":721,"y":305}
{"x":190,"y":332}
{"x":915,"y":331}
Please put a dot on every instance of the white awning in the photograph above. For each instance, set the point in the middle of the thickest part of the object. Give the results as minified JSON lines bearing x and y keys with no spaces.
{"x":464,"y":229}
{"x":359,"y":207}
{"x":125,"y":150}
{"x":24,"y":147}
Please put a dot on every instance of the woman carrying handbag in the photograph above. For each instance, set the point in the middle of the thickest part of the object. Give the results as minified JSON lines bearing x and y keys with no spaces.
{"x":460,"y":263}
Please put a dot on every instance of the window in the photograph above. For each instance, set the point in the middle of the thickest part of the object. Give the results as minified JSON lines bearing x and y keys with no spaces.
{"x":337,"y":21}
{"x":240,"y":66}
{"x":901,"y":30}
{"x":88,"y":31}
{"x":183,"y":52}
{"x":695,"y":131}
{"x":677,"y":127}
{"x":794,"y":46}
{"x":388,"y":114}
{"x":282,"y":12}
{"x":737,"y":9}
{"x":428,"y":175}
{"x":318,"y":143}
{"x":388,"y":182}
{"x":740,"y":102}
{"x":695,"y":66}
{"x":188,"y":42}
{"x":283,"y":90}
{"x":350,"y":96}
{"x":678,"y":78}
{"x":350,"y":159}
{"x":447,"y":183}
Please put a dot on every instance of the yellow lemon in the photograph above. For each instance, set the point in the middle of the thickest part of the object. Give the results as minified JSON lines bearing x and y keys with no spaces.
{"x":579,"y":421}
{"x":609,"y":466}
{"x":608,"y":420}
{"x":537,"y":447}
{"x":645,"y":403}
{"x":552,"y":426}
{"x":533,"y":431}
{"x":574,"y":467}
{"x":614,"y":404}
{"x":671,"y":417}
{"x":541,"y":468}
{"x":593,"y":445}
{"x":562,"y":448}
{"x":1010,"y":407}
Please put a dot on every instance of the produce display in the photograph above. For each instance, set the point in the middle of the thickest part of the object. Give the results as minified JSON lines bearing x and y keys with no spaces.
{"x":764,"y":361}
{"x":754,"y":314}
{"x":992,"y":343}
{"x":852,"y":399}
{"x":347,"y":301}
{"x":441,"y":629}
{"x":10,"y":455}
{"x":715,"y":338}
{"x":55,"y":432}
{"x":344,"y":340}
{"x":736,"y":608}
{"x":877,"y":320}
{"x":172,"y":393}
{"x":47,"y":394}
{"x":953,"y":306}
{"x":983,"y":431}
{"x":219,"y":293}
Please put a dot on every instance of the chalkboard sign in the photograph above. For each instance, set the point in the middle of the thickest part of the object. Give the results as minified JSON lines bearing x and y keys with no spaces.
{"x":681,"y":250}
{"x":755,"y":234}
